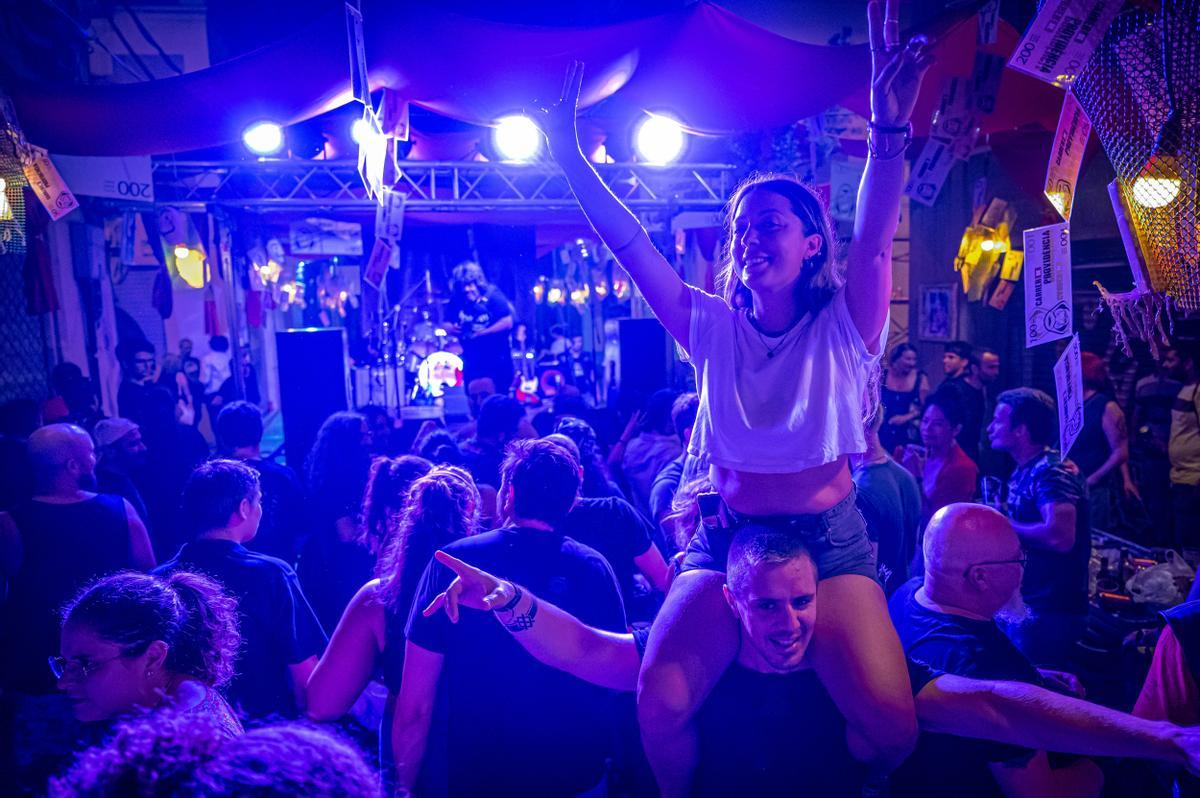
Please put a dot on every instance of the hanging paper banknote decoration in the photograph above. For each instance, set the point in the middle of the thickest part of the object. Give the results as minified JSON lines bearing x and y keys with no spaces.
{"x":1048,"y":308}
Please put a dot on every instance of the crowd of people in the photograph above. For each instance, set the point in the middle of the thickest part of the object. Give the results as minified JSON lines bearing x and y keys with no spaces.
{"x":809,"y":575}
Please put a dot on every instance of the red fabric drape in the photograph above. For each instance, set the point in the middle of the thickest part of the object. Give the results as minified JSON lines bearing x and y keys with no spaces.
{"x":717,"y":72}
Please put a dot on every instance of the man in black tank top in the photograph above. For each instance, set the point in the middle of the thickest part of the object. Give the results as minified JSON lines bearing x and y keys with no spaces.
{"x":50,"y":546}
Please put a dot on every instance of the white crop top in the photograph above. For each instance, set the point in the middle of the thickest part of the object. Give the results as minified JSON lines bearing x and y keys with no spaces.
{"x":798,"y":409}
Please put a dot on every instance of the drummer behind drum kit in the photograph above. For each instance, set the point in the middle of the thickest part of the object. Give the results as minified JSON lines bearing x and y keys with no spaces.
{"x":419,"y":358}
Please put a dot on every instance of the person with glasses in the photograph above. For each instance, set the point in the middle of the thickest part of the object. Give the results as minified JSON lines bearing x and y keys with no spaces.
{"x":132,"y":642}
{"x":947,"y":622}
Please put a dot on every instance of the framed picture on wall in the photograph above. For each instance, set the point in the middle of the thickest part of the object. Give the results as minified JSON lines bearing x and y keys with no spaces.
{"x":938,"y":314}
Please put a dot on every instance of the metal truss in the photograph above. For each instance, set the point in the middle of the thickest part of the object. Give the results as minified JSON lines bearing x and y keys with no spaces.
{"x":432,"y":185}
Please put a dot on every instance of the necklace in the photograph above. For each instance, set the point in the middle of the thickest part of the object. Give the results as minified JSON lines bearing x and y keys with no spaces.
{"x":783,"y":337}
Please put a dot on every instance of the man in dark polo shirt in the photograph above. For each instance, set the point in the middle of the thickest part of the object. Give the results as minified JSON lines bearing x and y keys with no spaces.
{"x":1048,"y":506}
{"x":281,"y":637}
{"x":284,"y":524}
{"x":476,"y":714}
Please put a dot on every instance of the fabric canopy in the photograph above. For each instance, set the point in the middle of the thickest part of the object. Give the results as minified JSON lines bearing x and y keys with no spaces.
{"x":710,"y":68}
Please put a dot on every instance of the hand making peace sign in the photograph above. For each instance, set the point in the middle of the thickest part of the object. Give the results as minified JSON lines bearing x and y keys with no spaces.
{"x":896,"y":71}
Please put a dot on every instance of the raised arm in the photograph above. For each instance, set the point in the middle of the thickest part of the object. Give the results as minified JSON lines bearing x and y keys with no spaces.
{"x":552,"y":635}
{"x":896,"y":74}
{"x":619,"y":229}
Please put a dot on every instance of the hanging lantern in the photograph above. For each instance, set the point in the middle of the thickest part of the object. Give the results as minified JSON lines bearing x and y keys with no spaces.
{"x":1139,"y":92}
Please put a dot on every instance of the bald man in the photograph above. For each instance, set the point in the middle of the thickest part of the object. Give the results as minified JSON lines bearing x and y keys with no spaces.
{"x":52,"y":544}
{"x":973,"y":569}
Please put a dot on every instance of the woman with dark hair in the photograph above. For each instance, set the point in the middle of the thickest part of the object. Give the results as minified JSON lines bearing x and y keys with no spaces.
{"x":481,"y":316}
{"x":386,"y":497}
{"x":902,"y":394}
{"x":442,"y":506}
{"x":785,"y":359}
{"x":332,"y":564}
{"x":133,"y":642}
{"x":943,"y":470}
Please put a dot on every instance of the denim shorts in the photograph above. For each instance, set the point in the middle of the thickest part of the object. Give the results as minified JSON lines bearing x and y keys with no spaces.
{"x":836,"y":538}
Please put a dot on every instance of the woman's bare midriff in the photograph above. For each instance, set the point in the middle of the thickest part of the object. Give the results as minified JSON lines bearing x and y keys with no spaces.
{"x":813,"y":490}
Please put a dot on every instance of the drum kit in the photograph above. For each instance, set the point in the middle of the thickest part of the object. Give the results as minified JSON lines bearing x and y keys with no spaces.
{"x":420,"y":354}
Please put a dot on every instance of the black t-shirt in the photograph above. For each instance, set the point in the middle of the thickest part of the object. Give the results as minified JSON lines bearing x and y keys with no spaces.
{"x":284,"y":521}
{"x":945,"y":765}
{"x":133,"y":399}
{"x":580,"y":371}
{"x":773,"y":734}
{"x":614,"y":528}
{"x":63,"y":547}
{"x":277,"y":624}
{"x":1092,"y":448}
{"x":505,"y":724}
{"x":1053,"y":582}
{"x":485,"y":355}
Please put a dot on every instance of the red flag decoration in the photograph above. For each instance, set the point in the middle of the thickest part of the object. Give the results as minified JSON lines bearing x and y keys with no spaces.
{"x":212,"y":322}
{"x":40,"y":295}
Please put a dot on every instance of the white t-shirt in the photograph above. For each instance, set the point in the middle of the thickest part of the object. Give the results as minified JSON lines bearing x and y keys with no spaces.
{"x":215,"y":368}
{"x":780,"y":414}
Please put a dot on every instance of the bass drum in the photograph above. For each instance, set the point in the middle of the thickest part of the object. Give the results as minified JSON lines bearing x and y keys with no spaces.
{"x":439,"y":371}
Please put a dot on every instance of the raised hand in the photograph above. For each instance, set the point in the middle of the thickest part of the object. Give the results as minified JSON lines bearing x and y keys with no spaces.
{"x":896,"y":71}
{"x":557,"y":122}
{"x":471,"y":588}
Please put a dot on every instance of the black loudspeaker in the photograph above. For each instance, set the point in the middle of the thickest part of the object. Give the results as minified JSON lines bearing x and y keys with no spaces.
{"x":314,"y":382}
{"x":645,"y":361}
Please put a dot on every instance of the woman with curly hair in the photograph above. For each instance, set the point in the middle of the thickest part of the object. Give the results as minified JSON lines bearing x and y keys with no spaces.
{"x":177,"y":754}
{"x":442,"y":506}
{"x":132,"y":642}
{"x":332,"y":565}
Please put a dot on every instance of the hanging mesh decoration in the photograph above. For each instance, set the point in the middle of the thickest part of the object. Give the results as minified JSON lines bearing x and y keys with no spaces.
{"x":1140,"y":91}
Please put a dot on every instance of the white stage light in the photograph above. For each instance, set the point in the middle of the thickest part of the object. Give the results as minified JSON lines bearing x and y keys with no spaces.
{"x":263,"y":138}
{"x":658,"y":139}
{"x":359,"y":130}
{"x":517,"y":138}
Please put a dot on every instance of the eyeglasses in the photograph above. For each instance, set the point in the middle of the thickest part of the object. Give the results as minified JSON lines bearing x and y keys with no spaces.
{"x":1023,"y":560}
{"x":62,"y":667}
